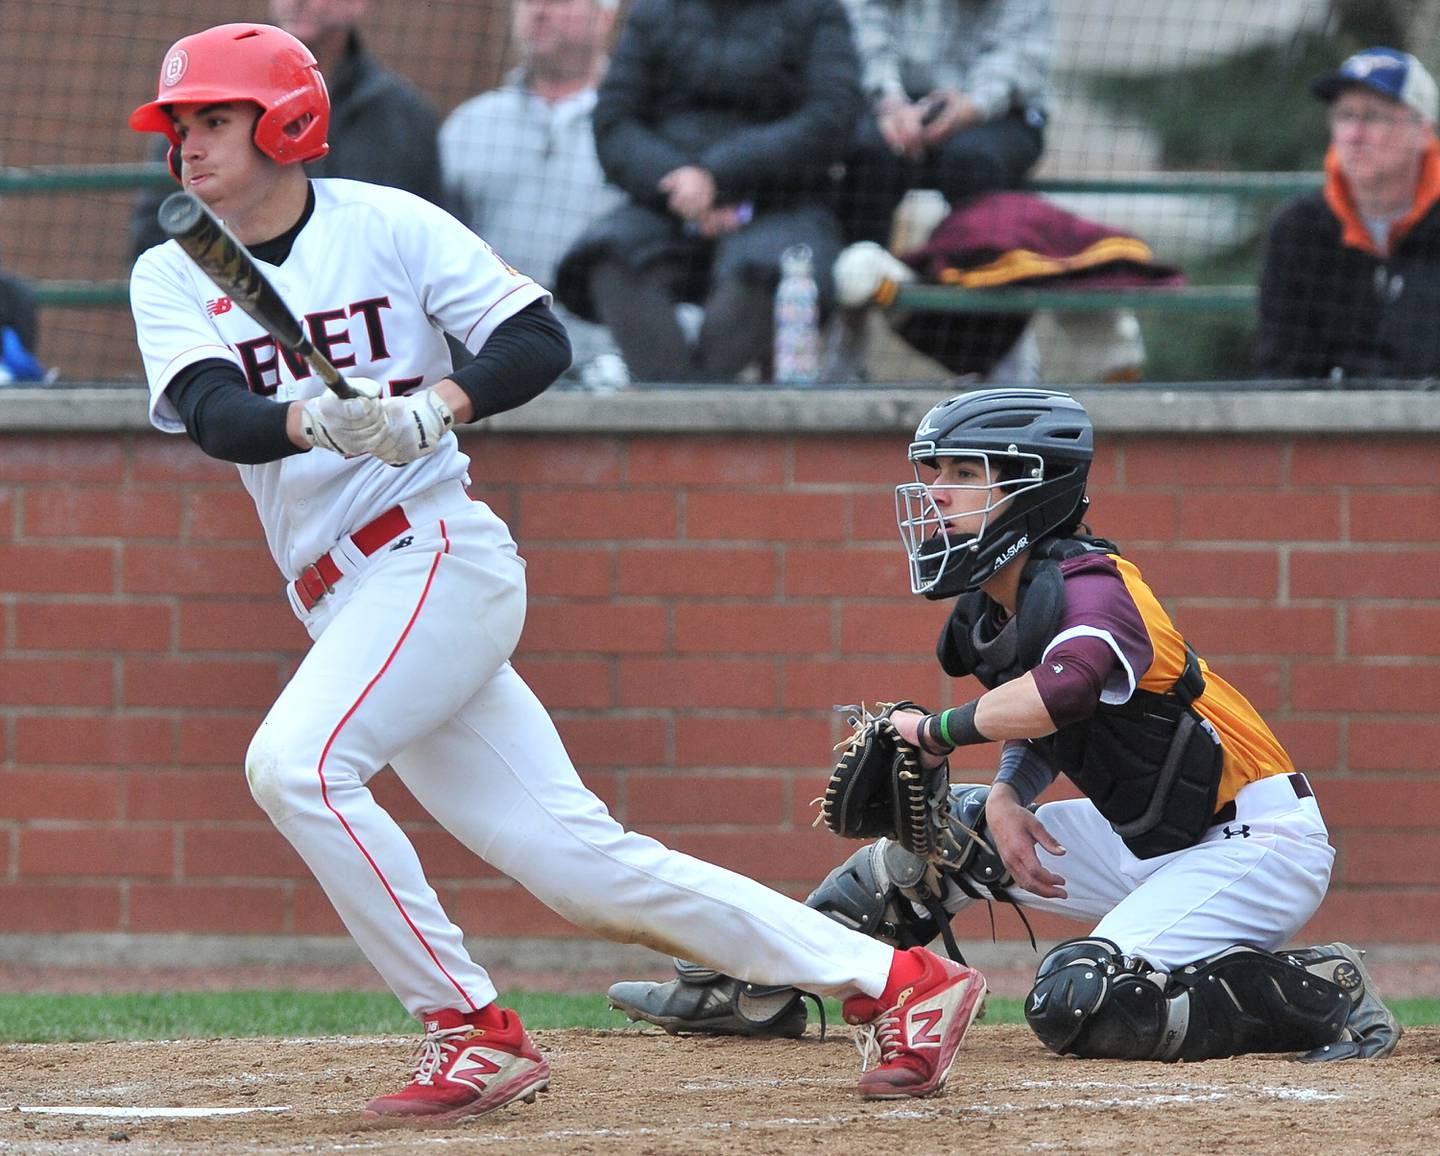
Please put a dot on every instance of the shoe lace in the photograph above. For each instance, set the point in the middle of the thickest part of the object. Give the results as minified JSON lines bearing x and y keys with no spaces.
{"x":434,"y":1050}
{"x":878,"y":1042}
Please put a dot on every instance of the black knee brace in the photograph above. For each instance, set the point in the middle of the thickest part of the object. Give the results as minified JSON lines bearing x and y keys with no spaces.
{"x":1091,"y":1001}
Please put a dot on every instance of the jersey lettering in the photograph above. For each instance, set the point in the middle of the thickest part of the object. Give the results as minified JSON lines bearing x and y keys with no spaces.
{"x":260,"y":356}
{"x":370,"y":311}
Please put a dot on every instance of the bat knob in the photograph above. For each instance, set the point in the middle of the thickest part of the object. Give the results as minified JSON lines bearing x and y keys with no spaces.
{"x":179,"y":213}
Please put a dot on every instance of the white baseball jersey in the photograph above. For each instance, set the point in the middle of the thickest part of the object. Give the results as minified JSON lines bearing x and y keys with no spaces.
{"x":377,"y":277}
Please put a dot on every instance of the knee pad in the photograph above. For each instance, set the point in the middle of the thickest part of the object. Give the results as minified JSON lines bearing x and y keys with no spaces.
{"x":862,"y":895}
{"x":1090,"y":1000}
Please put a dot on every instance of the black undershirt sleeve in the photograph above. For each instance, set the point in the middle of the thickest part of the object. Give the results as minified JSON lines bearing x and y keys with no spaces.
{"x":524,"y":355}
{"x":225,"y":419}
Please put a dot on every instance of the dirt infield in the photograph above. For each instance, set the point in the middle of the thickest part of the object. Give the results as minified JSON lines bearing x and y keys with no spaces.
{"x":645,"y":1092}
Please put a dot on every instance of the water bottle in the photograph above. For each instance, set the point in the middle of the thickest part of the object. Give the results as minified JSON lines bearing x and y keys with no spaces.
{"x":797,"y":319}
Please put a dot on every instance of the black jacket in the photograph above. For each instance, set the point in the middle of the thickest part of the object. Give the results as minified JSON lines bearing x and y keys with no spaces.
{"x":762,"y":93}
{"x":382,"y":130}
{"x":1328,"y":307}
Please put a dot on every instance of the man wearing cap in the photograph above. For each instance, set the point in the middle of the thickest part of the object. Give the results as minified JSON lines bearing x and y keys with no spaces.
{"x":1350,"y":288}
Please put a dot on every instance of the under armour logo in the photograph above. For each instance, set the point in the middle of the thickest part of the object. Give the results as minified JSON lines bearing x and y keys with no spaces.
{"x":408,"y":540}
{"x":218,"y":306}
{"x":1242,"y":833}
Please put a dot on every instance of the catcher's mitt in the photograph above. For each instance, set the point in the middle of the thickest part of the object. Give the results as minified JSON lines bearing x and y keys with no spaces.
{"x":881,"y":788}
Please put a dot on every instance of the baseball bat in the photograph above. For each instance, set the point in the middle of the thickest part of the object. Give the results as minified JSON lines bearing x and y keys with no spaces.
{"x":229,"y":264}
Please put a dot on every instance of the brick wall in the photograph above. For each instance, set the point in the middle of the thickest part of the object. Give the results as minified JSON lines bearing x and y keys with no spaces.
{"x":698,"y":604}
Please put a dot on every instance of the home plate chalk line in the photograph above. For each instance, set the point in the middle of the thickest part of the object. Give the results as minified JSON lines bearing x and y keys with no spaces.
{"x":144,"y":1113}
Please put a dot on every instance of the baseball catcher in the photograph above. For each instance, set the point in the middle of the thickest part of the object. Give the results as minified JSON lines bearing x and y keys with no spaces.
{"x":1196,"y":846}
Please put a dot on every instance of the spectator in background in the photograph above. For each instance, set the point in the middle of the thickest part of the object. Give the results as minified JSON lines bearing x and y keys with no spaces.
{"x":18,"y":332}
{"x":720,"y":119}
{"x":519,"y":161}
{"x":1350,"y":286}
{"x":957,"y":92}
{"x":382,"y":129}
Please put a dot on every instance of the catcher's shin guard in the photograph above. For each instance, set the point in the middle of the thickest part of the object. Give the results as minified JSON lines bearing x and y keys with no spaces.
{"x":1371,"y":1029}
{"x":700,"y":999}
{"x":1091,"y":1001}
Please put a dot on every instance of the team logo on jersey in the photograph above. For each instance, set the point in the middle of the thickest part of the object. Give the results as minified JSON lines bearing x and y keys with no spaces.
{"x":218,"y":306}
{"x":175,"y":65}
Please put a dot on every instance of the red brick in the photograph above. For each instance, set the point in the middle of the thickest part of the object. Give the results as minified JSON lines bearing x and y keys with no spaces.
{"x":1314,"y":745}
{"x":90,"y":851}
{"x":502,"y":910}
{"x":1184,"y":572}
{"x":752,"y":629}
{"x":614,"y":741}
{"x":504,"y":504}
{"x":189,"y":796}
{"x":1393,"y":630}
{"x":255,"y":850}
{"x":571,"y":683}
{"x":312,"y":913}
{"x":1408,"y":859}
{"x":570,"y":572}
{"x":176,"y":459}
{"x":1283,"y":630}
{"x":216,"y":740}
{"x":71,"y":459}
{"x":54,"y":908}
{"x":1368,"y":461}
{"x":898,"y":627}
{"x":1363,"y":573}
{"x":630,"y":628}
{"x":694,"y":461}
{"x":208,"y":908}
{"x":775,"y":858}
{"x":764,"y":516}
{"x":1371,"y":688}
{"x":200,"y":682}
{"x":705,"y":571}
{"x":819,"y":684}
{"x":1404,"y":517}
{"x":396,"y":798}
{"x":72,"y":795}
{"x":839,"y":571}
{"x":505,"y":459}
{"x":101,"y":513}
{"x":707,"y":800}
{"x":1371,"y":802}
{"x":9,"y":509}
{"x":75,"y":739}
{"x":699,"y":682}
{"x":1386,"y":745}
{"x":745,"y":741}
{"x":57,"y":682}
{"x":1136,"y":515}
{"x":569,"y":513}
{"x":1105,"y":469}
{"x":445,"y":857}
{"x":93,"y":626}
{"x":222,"y":515}
{"x":1262,"y":683}
{"x":207,"y":570}
{"x":1205,"y":461}
{"x":851,"y":460}
{"x":244,"y":625}
{"x":1257,"y":514}
{"x":57,"y":569}
{"x":1375,"y":915}
{"x":872,"y":518}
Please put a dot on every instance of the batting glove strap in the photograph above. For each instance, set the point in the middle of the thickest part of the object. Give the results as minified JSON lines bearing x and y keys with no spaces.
{"x":414,"y":426}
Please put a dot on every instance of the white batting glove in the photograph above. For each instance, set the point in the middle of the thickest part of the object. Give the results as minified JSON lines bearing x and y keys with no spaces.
{"x":414,"y":426}
{"x":346,"y":426}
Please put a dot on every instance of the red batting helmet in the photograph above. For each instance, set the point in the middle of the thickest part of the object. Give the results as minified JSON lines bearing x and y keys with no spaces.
{"x":250,"y":62}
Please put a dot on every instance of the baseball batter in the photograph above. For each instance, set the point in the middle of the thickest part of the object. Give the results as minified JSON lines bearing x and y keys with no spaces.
{"x":1196,"y":852}
{"x":414,"y":595}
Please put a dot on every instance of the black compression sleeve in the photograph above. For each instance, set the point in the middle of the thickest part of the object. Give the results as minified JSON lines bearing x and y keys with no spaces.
{"x":225,"y":419}
{"x":518,"y":362}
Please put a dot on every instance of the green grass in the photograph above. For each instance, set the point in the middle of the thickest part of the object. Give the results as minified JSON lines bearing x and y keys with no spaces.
{"x":203,"y":1015}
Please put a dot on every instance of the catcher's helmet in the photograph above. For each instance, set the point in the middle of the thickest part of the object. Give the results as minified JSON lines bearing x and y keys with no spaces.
{"x":246,"y":62}
{"x":1036,"y":445}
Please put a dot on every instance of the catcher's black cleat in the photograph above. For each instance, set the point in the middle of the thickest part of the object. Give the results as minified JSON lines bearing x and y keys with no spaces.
{"x":702,"y":1000}
{"x":1371,"y":1030}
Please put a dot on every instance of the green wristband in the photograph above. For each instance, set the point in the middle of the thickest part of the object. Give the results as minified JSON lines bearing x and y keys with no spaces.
{"x":957,"y":726}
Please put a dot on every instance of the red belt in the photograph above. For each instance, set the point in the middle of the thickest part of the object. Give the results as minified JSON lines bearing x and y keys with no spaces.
{"x":318,"y":579}
{"x":1298,"y":783}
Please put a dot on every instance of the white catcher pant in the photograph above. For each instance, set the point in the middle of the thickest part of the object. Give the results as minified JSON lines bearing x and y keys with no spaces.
{"x":410,"y":667}
{"x":1254,"y":881}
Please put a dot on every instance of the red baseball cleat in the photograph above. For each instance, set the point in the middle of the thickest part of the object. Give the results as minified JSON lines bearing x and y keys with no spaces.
{"x":464,"y":1070}
{"x":907,"y":1050}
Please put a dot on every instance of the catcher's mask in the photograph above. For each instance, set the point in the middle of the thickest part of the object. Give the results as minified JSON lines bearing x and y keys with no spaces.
{"x":1035,"y":447}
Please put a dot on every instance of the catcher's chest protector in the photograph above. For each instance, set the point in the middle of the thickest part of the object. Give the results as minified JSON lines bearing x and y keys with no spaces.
{"x":1151,"y":765}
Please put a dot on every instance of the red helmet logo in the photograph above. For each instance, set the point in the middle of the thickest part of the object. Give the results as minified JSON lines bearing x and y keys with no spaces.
{"x":175,"y":65}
